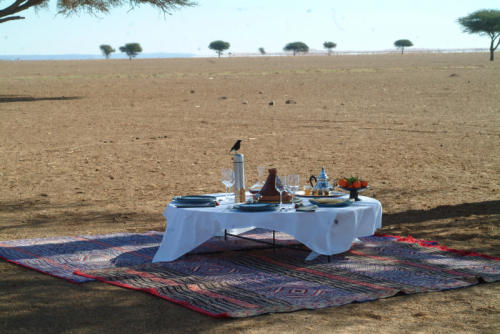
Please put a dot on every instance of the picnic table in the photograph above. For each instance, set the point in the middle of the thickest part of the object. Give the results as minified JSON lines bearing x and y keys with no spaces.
{"x":326,"y":231}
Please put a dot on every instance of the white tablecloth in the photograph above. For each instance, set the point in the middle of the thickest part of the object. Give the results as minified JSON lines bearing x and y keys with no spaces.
{"x":326,"y":231}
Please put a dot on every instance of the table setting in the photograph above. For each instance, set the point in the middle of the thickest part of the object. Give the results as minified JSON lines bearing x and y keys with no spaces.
{"x":323,"y":219}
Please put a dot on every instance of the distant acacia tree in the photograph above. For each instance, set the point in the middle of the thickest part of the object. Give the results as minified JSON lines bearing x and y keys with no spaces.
{"x":106,"y":50}
{"x":219,"y":46}
{"x":402,"y":44}
{"x":131,"y":49}
{"x":296,"y":47}
{"x":484,"y":22}
{"x":329,"y":46}
{"x":68,"y":7}
{"x":262,"y":51}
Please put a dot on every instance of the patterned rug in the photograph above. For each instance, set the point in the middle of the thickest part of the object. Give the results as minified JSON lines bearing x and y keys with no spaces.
{"x":61,"y":256}
{"x":258,"y":281}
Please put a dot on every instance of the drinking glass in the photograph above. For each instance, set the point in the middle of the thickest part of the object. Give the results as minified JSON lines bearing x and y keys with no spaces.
{"x":307,"y":190}
{"x":293,"y":182}
{"x":261,"y":171}
{"x":280,"y":187}
{"x":227,"y":179}
{"x":284,"y":179}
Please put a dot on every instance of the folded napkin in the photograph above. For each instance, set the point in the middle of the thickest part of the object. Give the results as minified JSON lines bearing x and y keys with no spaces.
{"x":307,"y":208}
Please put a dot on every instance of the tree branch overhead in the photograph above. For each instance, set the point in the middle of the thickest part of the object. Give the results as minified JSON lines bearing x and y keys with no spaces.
{"x":68,"y":7}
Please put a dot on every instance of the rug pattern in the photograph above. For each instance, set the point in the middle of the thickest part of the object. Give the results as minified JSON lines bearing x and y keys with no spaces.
{"x":242,"y":284}
{"x":61,"y":256}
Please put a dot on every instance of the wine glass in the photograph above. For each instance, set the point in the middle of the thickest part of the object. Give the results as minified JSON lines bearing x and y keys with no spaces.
{"x":261,"y":171}
{"x":284,"y":180}
{"x":261,"y":180}
{"x":293,"y":182}
{"x":280,"y":187}
{"x":227,"y":179}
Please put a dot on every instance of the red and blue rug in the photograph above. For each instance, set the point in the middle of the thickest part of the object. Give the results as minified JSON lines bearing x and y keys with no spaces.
{"x":241,"y":278}
{"x":259,"y":281}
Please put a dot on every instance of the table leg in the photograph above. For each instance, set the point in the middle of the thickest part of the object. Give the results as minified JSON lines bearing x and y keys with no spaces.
{"x":225,"y":234}
{"x":273,"y":244}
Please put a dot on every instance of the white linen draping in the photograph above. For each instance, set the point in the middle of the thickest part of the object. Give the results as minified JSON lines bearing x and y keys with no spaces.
{"x":326,"y":231}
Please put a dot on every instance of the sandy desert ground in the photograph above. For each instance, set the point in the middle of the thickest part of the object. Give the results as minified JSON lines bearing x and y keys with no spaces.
{"x":93,"y":147}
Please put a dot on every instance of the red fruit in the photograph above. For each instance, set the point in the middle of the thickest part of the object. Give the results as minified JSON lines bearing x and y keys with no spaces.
{"x":364,"y":184}
{"x":356,"y":184}
{"x":342,"y":183}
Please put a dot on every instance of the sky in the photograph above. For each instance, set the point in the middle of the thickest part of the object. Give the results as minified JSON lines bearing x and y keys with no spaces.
{"x":355,"y":25}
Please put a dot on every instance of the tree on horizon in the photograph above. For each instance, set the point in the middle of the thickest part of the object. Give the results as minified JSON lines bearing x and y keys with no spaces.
{"x":484,"y":22}
{"x":296,"y":47}
{"x":106,"y":50}
{"x":219,"y":46}
{"x":93,"y":7}
{"x":131,"y":49}
{"x":329,"y":46}
{"x":262,"y":51}
{"x":402,"y":44}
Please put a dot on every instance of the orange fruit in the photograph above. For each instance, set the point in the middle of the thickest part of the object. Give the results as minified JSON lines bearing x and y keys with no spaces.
{"x":342,"y":183}
{"x":356,"y":184}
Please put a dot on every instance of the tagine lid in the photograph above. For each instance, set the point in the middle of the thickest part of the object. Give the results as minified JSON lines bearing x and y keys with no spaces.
{"x":269,"y":192}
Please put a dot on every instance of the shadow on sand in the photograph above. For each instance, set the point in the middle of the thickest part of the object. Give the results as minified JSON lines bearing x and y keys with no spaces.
{"x":466,"y":226}
{"x":443,"y":212}
{"x":29,"y":214}
{"x":24,"y":98}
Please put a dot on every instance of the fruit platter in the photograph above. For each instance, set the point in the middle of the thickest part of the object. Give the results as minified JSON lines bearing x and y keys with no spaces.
{"x":353,"y":185}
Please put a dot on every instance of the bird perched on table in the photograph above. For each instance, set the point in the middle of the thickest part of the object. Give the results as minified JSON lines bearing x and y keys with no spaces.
{"x":236,"y":146}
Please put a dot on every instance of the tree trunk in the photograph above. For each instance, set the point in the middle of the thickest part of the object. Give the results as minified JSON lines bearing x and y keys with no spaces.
{"x":492,"y":48}
{"x":218,"y":52}
{"x":402,"y":50}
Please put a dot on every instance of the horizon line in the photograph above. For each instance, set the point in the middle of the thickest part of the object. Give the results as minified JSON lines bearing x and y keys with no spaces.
{"x":229,"y":54}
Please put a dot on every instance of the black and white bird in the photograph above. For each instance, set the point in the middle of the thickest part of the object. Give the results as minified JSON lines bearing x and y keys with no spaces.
{"x":236,"y":146}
